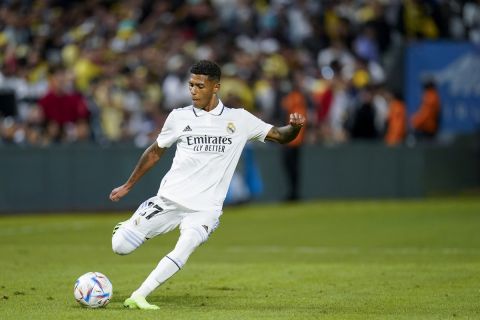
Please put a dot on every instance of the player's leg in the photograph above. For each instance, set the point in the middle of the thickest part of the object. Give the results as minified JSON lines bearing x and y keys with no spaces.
{"x":195,"y":229}
{"x":151,"y":215}
{"x":158,"y":217}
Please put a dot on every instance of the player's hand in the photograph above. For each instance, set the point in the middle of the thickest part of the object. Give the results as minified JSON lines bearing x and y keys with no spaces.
{"x":119,"y":192}
{"x":297,"y":120}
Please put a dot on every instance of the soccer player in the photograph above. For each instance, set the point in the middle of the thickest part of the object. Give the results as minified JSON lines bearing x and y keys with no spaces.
{"x":209,"y":137}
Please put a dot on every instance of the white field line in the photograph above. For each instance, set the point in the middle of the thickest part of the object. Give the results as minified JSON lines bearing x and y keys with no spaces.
{"x":78,"y":226}
{"x":32,"y":229}
{"x":352,"y":250}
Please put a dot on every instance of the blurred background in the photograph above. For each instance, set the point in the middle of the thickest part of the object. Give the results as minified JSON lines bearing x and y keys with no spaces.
{"x":390,"y":89}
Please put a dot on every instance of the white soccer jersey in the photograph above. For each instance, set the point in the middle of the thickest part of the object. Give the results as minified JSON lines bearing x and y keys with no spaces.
{"x":209,"y":145}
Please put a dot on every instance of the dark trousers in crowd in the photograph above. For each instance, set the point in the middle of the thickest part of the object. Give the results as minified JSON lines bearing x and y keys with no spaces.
{"x":291,"y":162}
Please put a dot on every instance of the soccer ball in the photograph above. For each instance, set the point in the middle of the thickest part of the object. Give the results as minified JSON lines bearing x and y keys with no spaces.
{"x":93,"y":290}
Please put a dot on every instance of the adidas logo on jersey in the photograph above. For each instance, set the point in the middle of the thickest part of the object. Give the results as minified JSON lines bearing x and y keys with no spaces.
{"x":187,"y":128}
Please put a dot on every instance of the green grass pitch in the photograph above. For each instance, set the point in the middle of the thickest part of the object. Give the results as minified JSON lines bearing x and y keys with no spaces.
{"x":416,"y":259}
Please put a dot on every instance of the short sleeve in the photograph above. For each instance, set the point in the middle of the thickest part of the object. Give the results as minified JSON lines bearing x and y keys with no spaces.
{"x":168,"y":135}
{"x":257,"y":128}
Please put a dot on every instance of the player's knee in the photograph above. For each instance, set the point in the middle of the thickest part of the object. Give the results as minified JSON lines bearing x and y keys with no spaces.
{"x":124,"y":243}
{"x":195,"y":236}
{"x":120,"y":246}
{"x":122,"y":249}
{"x":189,"y":240}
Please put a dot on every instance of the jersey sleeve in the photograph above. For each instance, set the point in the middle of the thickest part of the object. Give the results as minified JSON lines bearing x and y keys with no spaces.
{"x":257,"y":128}
{"x":168,"y":135}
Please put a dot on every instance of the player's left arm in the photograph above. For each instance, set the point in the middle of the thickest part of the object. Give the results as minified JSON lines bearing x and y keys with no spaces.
{"x":289,"y":132}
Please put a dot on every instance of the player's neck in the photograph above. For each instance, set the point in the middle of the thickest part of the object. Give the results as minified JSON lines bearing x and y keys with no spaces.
{"x":212,"y":104}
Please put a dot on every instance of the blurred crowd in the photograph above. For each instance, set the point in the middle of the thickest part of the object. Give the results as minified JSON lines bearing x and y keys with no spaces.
{"x":110,"y":71}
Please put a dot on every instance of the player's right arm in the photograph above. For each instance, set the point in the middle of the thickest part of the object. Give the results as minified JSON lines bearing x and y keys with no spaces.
{"x":148,"y":159}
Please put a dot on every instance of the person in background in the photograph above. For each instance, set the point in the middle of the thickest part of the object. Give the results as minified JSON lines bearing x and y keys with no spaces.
{"x":294,"y":102}
{"x":425,"y":121}
{"x":65,"y":110}
{"x":362,"y":122}
{"x":396,"y":120}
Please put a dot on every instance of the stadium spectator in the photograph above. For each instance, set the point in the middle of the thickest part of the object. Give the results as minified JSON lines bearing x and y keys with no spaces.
{"x":425,"y":121}
{"x":362,"y":118}
{"x":471,"y":16}
{"x":294,"y":102}
{"x":65,"y":110}
{"x":416,"y":19}
{"x":396,"y":121}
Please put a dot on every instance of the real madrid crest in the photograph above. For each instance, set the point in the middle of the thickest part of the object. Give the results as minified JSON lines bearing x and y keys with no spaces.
{"x":231,"y":127}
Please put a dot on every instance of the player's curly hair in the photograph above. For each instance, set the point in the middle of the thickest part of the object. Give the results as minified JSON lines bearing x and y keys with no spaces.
{"x":208,"y":68}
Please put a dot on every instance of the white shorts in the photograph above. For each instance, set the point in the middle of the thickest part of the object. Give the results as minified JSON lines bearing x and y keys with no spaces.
{"x":158,"y":215}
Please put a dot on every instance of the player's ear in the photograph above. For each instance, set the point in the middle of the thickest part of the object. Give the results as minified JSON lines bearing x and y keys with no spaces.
{"x":216,"y":87}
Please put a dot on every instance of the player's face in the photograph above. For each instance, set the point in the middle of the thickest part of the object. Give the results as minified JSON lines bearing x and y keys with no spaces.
{"x":202,"y":90}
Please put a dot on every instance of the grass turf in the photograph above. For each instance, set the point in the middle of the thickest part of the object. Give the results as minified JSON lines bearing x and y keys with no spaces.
{"x":319,"y":260}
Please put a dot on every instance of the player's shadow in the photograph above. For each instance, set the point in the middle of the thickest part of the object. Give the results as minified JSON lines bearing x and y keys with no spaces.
{"x":175,"y":301}
{"x":217,"y":302}
{"x":211,"y":299}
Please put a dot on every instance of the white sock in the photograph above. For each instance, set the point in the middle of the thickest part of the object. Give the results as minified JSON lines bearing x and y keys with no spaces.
{"x":164,"y":270}
{"x":172,"y":262}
